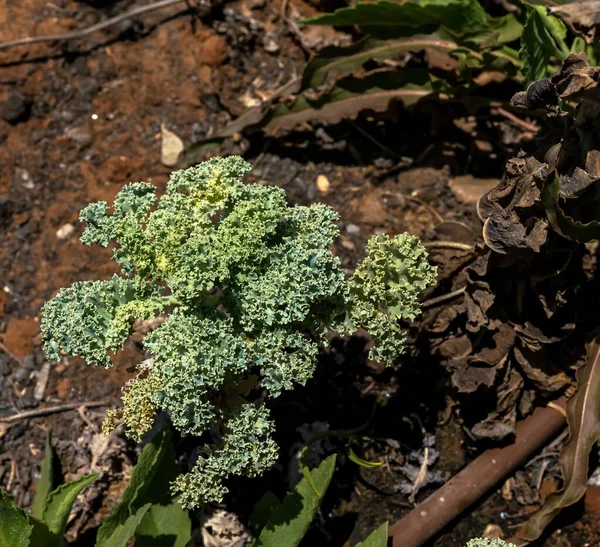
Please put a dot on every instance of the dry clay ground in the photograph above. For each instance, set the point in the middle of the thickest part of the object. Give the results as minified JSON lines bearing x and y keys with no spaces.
{"x":81,"y":119}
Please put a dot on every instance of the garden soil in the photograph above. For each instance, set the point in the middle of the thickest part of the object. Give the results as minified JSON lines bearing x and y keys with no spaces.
{"x":79,"y":120}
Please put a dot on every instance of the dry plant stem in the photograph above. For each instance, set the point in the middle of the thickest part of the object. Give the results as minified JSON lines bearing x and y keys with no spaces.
{"x":25,"y":415}
{"x":454,"y":245}
{"x":429,"y":517}
{"x":510,"y":116}
{"x":432,"y":302}
{"x":90,"y":30}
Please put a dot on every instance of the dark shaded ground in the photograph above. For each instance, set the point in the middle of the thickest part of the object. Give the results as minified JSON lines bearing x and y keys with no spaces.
{"x":86,"y":119}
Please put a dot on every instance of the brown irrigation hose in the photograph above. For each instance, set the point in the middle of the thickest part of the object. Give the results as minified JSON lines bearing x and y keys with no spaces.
{"x":477,"y":478}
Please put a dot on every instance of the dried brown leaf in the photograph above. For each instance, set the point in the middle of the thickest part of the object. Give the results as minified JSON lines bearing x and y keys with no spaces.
{"x":584,"y":432}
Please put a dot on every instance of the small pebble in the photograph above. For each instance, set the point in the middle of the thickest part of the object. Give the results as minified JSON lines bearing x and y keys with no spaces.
{"x":16,"y":108}
{"x":65,"y":231}
{"x":323,"y":184}
{"x":353,"y":229}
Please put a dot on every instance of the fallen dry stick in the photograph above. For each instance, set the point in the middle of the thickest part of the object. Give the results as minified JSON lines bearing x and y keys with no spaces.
{"x":90,"y":30}
{"x":42,"y":411}
{"x":482,"y":474}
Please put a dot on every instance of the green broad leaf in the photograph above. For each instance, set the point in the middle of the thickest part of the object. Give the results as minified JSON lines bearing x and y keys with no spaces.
{"x":583,"y":420}
{"x":169,"y":525}
{"x":125,"y":530}
{"x":15,"y":528}
{"x":59,"y":503}
{"x":45,"y":484}
{"x":166,"y":521}
{"x":265,"y":507}
{"x":543,"y":39}
{"x":377,"y":538}
{"x":457,"y":16}
{"x":564,"y":225}
{"x":349,"y":97}
{"x":339,"y":60}
{"x":290,"y":520}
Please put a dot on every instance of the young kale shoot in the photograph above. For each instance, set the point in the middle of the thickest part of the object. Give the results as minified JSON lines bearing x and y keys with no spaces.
{"x":245,"y":288}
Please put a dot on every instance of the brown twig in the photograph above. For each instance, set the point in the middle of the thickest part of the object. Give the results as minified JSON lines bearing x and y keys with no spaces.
{"x":34,"y":413}
{"x":455,"y":245}
{"x":431,"y":302}
{"x":90,"y":30}
{"x":429,"y":517}
{"x":510,"y":116}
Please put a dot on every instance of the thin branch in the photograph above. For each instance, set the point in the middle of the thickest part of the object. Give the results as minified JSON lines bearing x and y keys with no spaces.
{"x":34,"y":413}
{"x":90,"y":30}
{"x":432,"y":302}
{"x":510,"y":116}
{"x":455,"y":245}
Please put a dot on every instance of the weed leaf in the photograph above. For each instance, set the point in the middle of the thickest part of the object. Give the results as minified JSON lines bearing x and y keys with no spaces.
{"x":124,"y":531}
{"x":349,"y":97}
{"x":543,"y":39}
{"x":289,"y":522}
{"x":265,"y":507}
{"x":457,"y":16}
{"x":150,"y":483}
{"x":377,"y":538}
{"x":15,"y":527}
{"x":336,"y":60}
{"x":45,"y":484}
{"x":59,"y":503}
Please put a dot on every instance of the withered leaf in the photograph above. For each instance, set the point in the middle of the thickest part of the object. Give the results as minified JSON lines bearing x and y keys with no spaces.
{"x":563,"y":224}
{"x":582,"y":16}
{"x":576,"y":79}
{"x":501,"y":422}
{"x":584,"y":432}
{"x":504,"y":232}
{"x":539,"y":369}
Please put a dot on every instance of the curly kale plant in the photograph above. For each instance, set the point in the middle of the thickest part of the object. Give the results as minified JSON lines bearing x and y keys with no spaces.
{"x":245,"y":288}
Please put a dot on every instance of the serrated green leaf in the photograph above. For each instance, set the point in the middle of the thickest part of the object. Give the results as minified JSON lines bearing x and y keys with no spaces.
{"x":564,"y":225}
{"x":264,"y":508}
{"x":457,"y":16}
{"x":59,"y":503}
{"x":45,"y":484}
{"x":290,"y":521}
{"x":15,"y":528}
{"x":377,"y":538}
{"x":542,"y":40}
{"x":124,"y":531}
{"x":339,"y":60}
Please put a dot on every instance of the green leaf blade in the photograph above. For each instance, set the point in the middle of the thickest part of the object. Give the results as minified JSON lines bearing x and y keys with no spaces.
{"x":45,"y":484}
{"x":264,"y":508}
{"x":543,"y":39}
{"x":339,"y":60}
{"x":60,"y":502}
{"x":458,"y":16}
{"x":124,"y":531}
{"x":377,"y":538}
{"x":150,"y":484}
{"x":15,"y":528}
{"x":290,"y":521}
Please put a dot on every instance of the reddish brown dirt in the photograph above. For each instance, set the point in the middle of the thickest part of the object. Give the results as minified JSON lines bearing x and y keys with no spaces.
{"x":96,"y":111}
